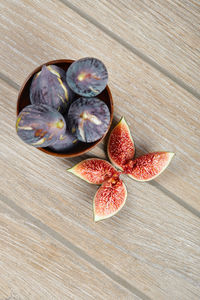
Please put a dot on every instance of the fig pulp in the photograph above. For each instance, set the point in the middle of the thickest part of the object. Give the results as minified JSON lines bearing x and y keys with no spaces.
{"x":88,"y":119}
{"x":149,"y":166}
{"x":94,"y":170}
{"x":40,"y":125}
{"x":121,"y":152}
{"x":87,"y":77}
{"x":49,"y":87}
{"x":111,"y":196}
{"x":120,"y":146}
{"x":109,"y":199}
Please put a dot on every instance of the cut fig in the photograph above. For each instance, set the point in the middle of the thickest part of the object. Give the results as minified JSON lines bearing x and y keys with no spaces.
{"x":120,"y":147}
{"x":109,"y":199}
{"x":94,"y":170}
{"x":148,"y":166}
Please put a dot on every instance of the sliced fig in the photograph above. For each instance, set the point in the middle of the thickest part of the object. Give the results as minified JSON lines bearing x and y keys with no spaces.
{"x":148,"y":166}
{"x":120,"y":147}
{"x":109,"y":199}
{"x":94,"y":170}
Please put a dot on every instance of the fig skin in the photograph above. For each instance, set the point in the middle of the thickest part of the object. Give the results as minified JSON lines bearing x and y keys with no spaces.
{"x":66,"y":143}
{"x":49,"y":87}
{"x":40,"y":125}
{"x":87,"y":76}
{"x":88,"y":119}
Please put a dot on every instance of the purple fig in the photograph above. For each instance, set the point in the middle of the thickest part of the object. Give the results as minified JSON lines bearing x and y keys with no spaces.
{"x":66,"y":142}
{"x":87,"y":76}
{"x":49,"y":87}
{"x":40,"y":125}
{"x":88,"y":119}
{"x":57,"y":71}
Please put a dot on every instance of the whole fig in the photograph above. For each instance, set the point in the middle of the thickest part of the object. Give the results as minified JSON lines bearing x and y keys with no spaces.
{"x":67,"y":142}
{"x":49,"y":87}
{"x":88,"y":119}
{"x":40,"y":125}
{"x":87,"y":76}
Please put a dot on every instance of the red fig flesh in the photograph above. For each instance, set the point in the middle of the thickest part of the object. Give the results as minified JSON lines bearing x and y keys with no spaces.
{"x":109,"y":199}
{"x":94,"y":170}
{"x":149,"y":166}
{"x":120,"y":145}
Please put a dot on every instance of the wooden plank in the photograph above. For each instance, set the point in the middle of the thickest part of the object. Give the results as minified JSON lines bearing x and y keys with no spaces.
{"x":153,"y":243}
{"x":35,"y":266}
{"x":161,"y":115}
{"x":166,"y":32}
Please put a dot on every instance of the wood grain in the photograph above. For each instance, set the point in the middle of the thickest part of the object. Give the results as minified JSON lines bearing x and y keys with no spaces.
{"x":35,"y":266}
{"x":167,"y":32}
{"x":153,"y":243}
{"x":161,"y":115}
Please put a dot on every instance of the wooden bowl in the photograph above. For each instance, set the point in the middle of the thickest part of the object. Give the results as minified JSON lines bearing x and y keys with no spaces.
{"x":24,"y":100}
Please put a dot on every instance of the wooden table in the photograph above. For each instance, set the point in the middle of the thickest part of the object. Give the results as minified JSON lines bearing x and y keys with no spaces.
{"x":50,"y":248}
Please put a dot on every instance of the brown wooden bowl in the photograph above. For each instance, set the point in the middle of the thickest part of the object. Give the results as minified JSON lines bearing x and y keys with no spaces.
{"x":24,"y":100}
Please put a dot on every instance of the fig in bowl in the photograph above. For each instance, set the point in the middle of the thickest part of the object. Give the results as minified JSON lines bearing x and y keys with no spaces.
{"x":49,"y":87}
{"x":87,"y":77}
{"x":40,"y":125}
{"x":66,"y":146}
{"x":66,"y":142}
{"x":88,"y":119}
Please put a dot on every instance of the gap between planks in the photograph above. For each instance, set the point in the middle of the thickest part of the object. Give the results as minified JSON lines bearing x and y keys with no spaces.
{"x":59,"y":238}
{"x":153,"y":182}
{"x":132,"y":49}
{"x":9,"y":81}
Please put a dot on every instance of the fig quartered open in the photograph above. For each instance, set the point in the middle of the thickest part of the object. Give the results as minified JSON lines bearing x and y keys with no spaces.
{"x":111,"y":195}
{"x":109,"y":199}
{"x":94,"y":170}
{"x":121,"y":151}
{"x":120,"y":146}
{"x":148,"y":166}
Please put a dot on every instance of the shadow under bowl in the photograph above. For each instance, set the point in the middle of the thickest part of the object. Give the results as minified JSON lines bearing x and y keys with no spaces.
{"x":24,"y":100}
